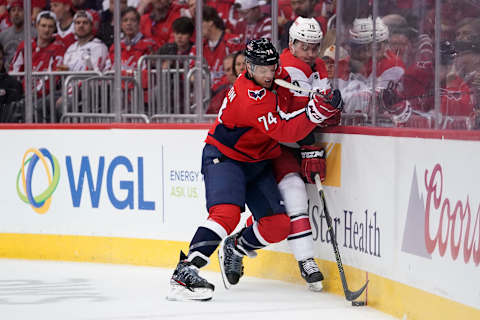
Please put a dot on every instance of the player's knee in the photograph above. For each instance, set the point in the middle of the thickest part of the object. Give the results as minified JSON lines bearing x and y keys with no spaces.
{"x":227,"y":215}
{"x":294,"y":194}
{"x":274,"y":228}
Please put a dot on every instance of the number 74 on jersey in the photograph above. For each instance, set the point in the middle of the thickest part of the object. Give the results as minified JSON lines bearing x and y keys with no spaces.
{"x":268,"y":120}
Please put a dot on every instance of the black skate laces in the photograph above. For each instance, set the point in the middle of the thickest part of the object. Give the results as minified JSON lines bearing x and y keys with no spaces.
{"x":233,"y":258}
{"x":188,"y":274}
{"x":309,"y":266}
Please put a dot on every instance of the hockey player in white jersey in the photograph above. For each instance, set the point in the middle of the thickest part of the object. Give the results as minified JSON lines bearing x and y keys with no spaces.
{"x":301,"y":60}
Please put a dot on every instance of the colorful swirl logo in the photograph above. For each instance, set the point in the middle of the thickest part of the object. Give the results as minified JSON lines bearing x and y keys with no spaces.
{"x":40,"y":203}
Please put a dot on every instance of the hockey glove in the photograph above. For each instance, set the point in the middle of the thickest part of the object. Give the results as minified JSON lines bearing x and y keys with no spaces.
{"x":318,"y":110}
{"x":313,"y":162}
{"x":334,"y":98}
{"x":331,"y":122}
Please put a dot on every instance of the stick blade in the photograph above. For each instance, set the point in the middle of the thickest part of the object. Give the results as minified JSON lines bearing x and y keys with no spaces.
{"x":352,"y":295}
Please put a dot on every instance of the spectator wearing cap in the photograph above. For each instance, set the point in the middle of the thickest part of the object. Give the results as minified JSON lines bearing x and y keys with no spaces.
{"x":11,"y":37}
{"x":328,"y":57}
{"x":88,"y":52}
{"x":158,"y":23}
{"x":254,"y":23}
{"x":134,"y":44}
{"x":105,"y":30}
{"x":63,"y":9}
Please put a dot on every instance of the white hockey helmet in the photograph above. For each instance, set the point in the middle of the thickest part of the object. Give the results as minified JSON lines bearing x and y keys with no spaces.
{"x":306,"y":30}
{"x":362,"y":31}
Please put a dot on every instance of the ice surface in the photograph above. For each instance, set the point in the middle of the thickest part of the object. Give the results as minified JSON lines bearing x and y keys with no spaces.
{"x":65,"y":290}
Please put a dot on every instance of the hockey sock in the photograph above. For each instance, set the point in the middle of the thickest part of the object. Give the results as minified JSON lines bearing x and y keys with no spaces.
{"x":248,"y":240}
{"x":202,"y":246}
{"x":300,"y":238}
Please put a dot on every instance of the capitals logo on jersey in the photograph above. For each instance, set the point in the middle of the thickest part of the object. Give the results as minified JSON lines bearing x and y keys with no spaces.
{"x":256,"y":94}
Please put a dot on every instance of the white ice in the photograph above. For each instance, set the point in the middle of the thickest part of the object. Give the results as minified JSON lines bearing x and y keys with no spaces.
{"x":65,"y":290}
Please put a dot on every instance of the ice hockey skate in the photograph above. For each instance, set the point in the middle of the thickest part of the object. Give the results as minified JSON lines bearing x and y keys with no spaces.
{"x":231,"y":261}
{"x":312,"y":275}
{"x":186,"y":284}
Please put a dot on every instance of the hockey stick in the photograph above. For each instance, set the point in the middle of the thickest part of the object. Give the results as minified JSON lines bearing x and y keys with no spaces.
{"x":349,"y":295}
{"x":291,"y":86}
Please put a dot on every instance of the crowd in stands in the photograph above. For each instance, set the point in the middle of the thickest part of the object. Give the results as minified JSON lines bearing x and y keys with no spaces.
{"x":388,"y":74}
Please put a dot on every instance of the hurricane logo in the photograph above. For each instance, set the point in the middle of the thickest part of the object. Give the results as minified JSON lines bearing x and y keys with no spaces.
{"x":257,"y":94}
{"x":41,"y":202}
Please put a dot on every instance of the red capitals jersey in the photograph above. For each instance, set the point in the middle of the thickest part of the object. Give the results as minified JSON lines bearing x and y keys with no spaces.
{"x":252,"y":120}
{"x":43,"y":59}
{"x":260,"y":29}
{"x":228,"y":43}
{"x":303,"y":75}
{"x":160,"y":31}
{"x":133,"y":50}
{"x":457,"y":98}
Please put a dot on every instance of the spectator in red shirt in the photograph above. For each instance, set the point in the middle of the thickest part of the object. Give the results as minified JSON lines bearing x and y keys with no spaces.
{"x":217,"y":44}
{"x":183,"y":29}
{"x":158,"y":23}
{"x":47,"y":55}
{"x":47,"y":52}
{"x":254,"y":24}
{"x":65,"y":26}
{"x":133,"y":44}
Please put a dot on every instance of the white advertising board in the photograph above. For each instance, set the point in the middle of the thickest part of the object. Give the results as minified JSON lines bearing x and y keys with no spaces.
{"x":404,"y":208}
{"x":407,"y":209}
{"x":123,"y":183}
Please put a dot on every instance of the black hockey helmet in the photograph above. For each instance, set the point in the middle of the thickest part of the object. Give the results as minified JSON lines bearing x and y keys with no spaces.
{"x":448,"y":52}
{"x":261,"y":52}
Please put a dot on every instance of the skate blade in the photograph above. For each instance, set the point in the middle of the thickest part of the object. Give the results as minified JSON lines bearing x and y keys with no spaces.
{"x":315,"y":286}
{"x":221,"y":258}
{"x":180,"y":293}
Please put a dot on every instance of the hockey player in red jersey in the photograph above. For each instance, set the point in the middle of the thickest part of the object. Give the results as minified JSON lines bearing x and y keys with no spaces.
{"x":236,"y":164}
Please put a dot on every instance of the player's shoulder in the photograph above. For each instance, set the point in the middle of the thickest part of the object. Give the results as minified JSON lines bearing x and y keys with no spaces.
{"x":292,"y":63}
{"x":250,"y":93}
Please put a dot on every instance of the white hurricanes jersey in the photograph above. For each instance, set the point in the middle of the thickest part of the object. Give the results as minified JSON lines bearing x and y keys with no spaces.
{"x":92,"y":55}
{"x":302,"y":74}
